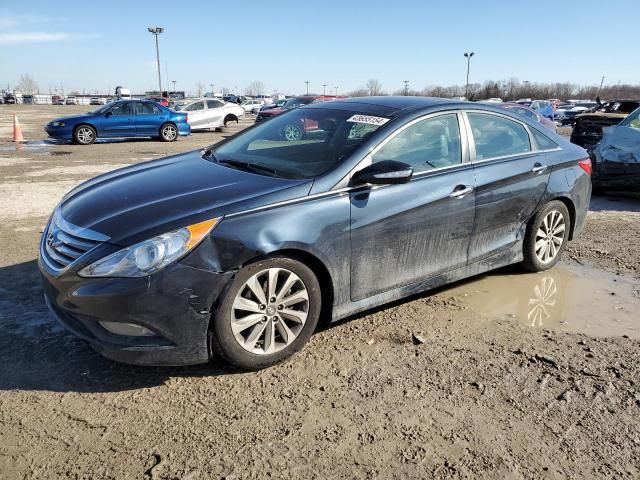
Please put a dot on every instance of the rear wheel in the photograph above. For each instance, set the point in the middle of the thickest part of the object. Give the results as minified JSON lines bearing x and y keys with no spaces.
{"x":230,"y":118}
{"x":546,"y":237}
{"x":168,"y":132}
{"x":292,"y":132}
{"x":268,"y":313}
{"x":84,"y":135}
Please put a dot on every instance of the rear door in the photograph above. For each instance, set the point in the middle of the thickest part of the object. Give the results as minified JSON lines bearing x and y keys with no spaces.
{"x":118,"y":121}
{"x":149,"y":118}
{"x":402,"y":234}
{"x":511,"y":178}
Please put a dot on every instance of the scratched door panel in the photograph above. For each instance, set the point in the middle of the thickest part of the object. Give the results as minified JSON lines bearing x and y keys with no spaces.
{"x":401,"y":234}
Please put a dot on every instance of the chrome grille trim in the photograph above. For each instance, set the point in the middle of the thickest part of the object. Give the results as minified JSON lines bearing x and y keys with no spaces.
{"x":63,"y":243}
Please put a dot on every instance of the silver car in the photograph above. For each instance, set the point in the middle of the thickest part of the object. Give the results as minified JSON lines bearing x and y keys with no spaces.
{"x":205,"y":113}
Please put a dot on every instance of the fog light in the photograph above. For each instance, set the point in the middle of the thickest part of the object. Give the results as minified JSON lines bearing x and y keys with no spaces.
{"x":129,"y":329}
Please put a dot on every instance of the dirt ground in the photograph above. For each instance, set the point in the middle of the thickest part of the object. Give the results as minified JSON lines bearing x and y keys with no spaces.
{"x":505,"y":375}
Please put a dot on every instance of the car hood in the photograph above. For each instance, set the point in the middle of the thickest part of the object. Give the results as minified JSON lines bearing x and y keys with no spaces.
{"x":73,"y":118}
{"x":274,"y":111}
{"x":598,"y":115}
{"x":145,"y":200}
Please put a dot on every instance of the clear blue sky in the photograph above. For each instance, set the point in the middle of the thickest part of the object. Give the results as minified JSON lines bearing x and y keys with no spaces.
{"x":100,"y":44}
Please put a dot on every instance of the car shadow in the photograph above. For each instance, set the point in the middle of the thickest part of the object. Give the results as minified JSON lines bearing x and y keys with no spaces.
{"x":36,"y":353}
{"x":619,"y":202}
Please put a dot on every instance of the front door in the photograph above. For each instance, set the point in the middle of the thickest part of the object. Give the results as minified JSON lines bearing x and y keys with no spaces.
{"x":511,"y":180}
{"x":197,"y":115}
{"x":402,"y":234}
{"x":118,"y":121}
{"x":215,"y":113}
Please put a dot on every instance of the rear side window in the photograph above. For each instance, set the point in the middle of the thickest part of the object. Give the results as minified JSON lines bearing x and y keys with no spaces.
{"x":543,"y":142}
{"x":213,"y":104}
{"x":496,"y":136}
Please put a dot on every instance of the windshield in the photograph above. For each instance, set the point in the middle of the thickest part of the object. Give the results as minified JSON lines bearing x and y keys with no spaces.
{"x":103,"y":108}
{"x":296,"y":102}
{"x":303,"y":143}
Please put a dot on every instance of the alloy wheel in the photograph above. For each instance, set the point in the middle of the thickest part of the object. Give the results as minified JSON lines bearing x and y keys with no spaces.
{"x":85,"y":135}
{"x":550,"y":236}
{"x":292,"y":132}
{"x":169,"y":132}
{"x":269,"y":311}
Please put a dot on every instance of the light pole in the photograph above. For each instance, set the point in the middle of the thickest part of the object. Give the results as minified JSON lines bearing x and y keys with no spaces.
{"x":324,"y":89}
{"x":466,"y":90}
{"x":211,"y":85}
{"x":406,"y":87}
{"x":336,"y":87}
{"x":174,"y":85}
{"x":157,"y":31}
{"x":307,"y":82}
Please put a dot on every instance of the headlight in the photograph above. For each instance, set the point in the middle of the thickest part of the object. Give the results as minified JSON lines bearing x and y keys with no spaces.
{"x":57,"y":124}
{"x":148,"y":257}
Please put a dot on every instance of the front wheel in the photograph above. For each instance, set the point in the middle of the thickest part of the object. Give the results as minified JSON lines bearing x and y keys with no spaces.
{"x":268,"y":313}
{"x":84,"y":135}
{"x":292,"y":132}
{"x":168,"y":132}
{"x":546,"y":237}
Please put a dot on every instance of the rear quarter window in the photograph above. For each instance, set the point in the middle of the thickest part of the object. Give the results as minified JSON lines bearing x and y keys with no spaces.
{"x":543,"y":142}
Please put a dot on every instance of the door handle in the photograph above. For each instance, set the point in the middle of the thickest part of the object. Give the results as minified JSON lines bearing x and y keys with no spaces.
{"x":538,"y":168}
{"x":460,"y":191}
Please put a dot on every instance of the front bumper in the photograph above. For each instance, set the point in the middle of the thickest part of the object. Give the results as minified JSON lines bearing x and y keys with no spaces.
{"x":59,"y":133}
{"x":175,"y":304}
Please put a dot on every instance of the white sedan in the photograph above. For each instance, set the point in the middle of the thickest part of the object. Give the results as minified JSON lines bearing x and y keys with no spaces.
{"x":207,"y":113}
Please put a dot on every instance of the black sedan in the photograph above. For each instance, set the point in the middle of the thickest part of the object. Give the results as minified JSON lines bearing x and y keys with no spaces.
{"x":240,"y":249}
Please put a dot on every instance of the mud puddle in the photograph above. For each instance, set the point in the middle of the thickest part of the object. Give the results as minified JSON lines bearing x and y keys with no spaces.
{"x":567,"y":298}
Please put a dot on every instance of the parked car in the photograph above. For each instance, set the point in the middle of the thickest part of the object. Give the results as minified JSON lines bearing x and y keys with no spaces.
{"x":529,"y":113}
{"x":10,"y":98}
{"x":494,"y":100}
{"x":57,"y":100}
{"x":71,"y":100}
{"x":2,"y":100}
{"x":205,"y":113}
{"x":97,"y":101}
{"x":543,"y":107}
{"x":161,"y":100}
{"x":587,"y":129}
{"x":252,"y":105}
{"x":121,"y":119}
{"x":524,"y":101}
{"x":29,"y":99}
{"x":240,"y":248}
{"x":293,"y":103}
{"x":277,"y":104}
{"x":616,"y":158}
{"x":566,"y":114}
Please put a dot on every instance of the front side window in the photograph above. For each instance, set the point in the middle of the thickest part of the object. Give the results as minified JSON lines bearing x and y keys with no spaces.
{"x":425,"y":145}
{"x":496,"y":136}
{"x":121,"y":109}
{"x":194,"y":107}
{"x":302,"y":143}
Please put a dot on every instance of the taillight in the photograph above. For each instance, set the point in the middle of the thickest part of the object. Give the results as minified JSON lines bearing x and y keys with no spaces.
{"x":585,"y":164}
{"x":186,"y":119}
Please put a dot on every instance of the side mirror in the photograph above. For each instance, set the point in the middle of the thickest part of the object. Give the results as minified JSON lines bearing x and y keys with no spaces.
{"x":108,"y":114}
{"x":386,"y":172}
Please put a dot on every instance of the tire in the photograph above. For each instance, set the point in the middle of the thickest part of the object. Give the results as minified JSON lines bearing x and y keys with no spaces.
{"x":546,"y":237}
{"x":251,"y":332}
{"x":84,"y":135}
{"x":168,"y":132}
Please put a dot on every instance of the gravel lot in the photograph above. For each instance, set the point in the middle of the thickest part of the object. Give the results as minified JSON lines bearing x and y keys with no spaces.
{"x":505,"y":375}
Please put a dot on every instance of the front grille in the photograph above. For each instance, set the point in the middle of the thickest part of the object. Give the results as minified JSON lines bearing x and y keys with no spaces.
{"x":64,"y":242}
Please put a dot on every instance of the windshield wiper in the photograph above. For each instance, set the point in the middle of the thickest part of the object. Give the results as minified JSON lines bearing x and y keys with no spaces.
{"x":251,"y":167}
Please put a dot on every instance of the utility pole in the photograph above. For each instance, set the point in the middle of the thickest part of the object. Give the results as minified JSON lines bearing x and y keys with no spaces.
{"x":466,"y":90}
{"x":600,"y":87}
{"x":307,"y":82}
{"x":156,"y":31}
{"x":336,"y":87}
{"x":406,"y":87}
{"x":174,"y":85}
{"x":211,"y":85}
{"x":324,"y":89}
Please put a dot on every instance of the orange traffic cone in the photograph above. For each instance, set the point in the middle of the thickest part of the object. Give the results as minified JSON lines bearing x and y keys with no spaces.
{"x":17,"y":130}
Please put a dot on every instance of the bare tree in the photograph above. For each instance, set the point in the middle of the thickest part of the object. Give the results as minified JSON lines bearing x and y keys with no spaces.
{"x":359,"y":92}
{"x":254,"y":88}
{"x":374,"y":86}
{"x":27,"y":84}
{"x":200,"y":88}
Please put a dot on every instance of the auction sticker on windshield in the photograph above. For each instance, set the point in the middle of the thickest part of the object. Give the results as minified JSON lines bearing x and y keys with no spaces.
{"x":368,"y":119}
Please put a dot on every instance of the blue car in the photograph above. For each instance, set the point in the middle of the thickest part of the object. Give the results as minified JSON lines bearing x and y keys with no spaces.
{"x":125,"y":118}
